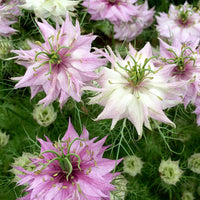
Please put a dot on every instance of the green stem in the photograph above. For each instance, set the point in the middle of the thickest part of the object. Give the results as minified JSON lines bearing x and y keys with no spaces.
{"x":120,"y":142}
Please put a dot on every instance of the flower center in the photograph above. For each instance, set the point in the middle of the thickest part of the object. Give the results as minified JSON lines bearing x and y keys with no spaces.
{"x":183,"y":17}
{"x":137,"y":72}
{"x":53,"y":56}
{"x":64,"y":160}
{"x":111,"y":1}
{"x":180,"y":61}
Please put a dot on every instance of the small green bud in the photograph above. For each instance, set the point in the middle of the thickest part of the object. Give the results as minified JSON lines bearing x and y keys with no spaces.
{"x":194,"y":163}
{"x":120,"y":185}
{"x":169,"y":171}
{"x":44,"y":116}
{"x":187,"y":196}
{"x":23,"y":161}
{"x":3,"y":139}
{"x":5,"y":47}
{"x":133,"y":165}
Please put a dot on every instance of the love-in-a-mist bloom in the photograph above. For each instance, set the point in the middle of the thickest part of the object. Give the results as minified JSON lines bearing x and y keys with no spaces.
{"x":134,"y":88}
{"x":181,"y":22}
{"x":141,"y":19}
{"x":8,"y":15}
{"x":55,"y":9}
{"x":113,"y":10}
{"x":72,"y":168}
{"x":61,"y":65}
{"x":184,"y":61}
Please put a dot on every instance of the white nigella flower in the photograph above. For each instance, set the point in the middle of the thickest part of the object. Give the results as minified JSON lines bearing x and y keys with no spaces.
{"x":135,"y":89}
{"x":55,"y":9}
{"x":44,"y":116}
{"x":169,"y":171}
{"x":132,"y":165}
{"x":194,"y":163}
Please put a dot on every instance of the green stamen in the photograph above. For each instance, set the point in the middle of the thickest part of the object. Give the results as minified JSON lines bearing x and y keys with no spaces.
{"x":52,"y":55}
{"x":136,"y":72}
{"x":64,"y":160}
{"x":179,"y":61}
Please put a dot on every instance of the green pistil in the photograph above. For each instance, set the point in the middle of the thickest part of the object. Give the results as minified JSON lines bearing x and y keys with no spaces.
{"x":53,"y":56}
{"x":111,"y":1}
{"x":179,"y":61}
{"x":183,"y":17}
{"x":64,"y":160}
{"x":137,"y":72}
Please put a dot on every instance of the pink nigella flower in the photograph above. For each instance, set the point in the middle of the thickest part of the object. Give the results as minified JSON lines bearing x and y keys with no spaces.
{"x":113,"y":10}
{"x":61,"y":65}
{"x":8,"y":15}
{"x":72,"y":168}
{"x":182,"y":22}
{"x":183,"y":60}
{"x":142,"y":18}
{"x":135,"y":89}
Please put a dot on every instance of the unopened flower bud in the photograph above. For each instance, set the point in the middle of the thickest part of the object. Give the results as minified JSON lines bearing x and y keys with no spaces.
{"x":169,"y":171}
{"x":3,"y":139}
{"x":194,"y":163}
{"x":187,"y":196}
{"x":132,"y":165}
{"x":23,"y":161}
{"x":120,"y":186}
{"x":44,"y":116}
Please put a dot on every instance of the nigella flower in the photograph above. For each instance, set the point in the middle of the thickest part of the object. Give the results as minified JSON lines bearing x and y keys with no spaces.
{"x":142,"y":18}
{"x":72,"y":168}
{"x":55,"y":9}
{"x":8,"y":15}
{"x":134,"y":88}
{"x":61,"y":65}
{"x":181,"y":22}
{"x":184,"y":61}
{"x":113,"y":10}
{"x":127,"y":31}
